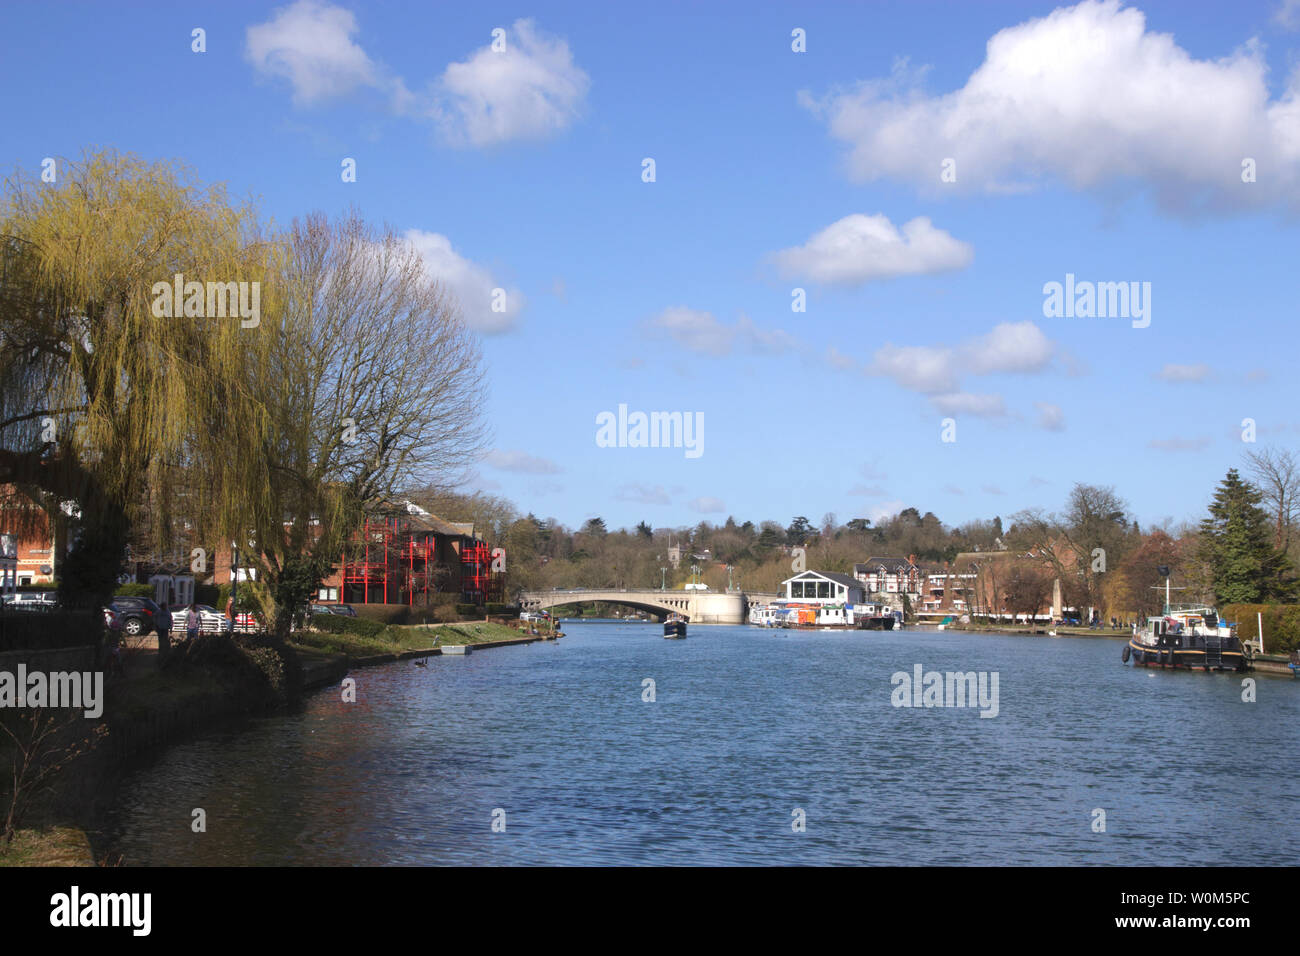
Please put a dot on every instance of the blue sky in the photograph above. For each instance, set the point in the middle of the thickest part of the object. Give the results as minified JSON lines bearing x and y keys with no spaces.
{"x":1100,"y":140}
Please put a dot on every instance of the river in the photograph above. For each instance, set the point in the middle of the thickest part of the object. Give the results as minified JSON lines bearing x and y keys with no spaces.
{"x":751,"y":733}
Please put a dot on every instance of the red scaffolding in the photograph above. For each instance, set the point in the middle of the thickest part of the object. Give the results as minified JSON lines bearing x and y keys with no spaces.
{"x":391,"y":562}
{"x":479,"y":582}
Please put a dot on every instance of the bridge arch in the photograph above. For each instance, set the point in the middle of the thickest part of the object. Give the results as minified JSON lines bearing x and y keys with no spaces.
{"x":701,"y":607}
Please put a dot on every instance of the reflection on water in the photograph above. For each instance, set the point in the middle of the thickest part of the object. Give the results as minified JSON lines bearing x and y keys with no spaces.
{"x":748,"y":725}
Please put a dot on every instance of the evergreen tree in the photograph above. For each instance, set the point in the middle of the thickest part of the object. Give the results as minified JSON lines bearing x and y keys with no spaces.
{"x":1237,"y":545}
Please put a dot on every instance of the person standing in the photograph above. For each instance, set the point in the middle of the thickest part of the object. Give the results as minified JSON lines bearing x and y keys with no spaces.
{"x":164,"y":623}
{"x":192,"y":622}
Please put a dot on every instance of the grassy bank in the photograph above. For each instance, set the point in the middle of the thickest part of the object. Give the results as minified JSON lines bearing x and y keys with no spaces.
{"x":55,"y":846}
{"x":397,"y":639}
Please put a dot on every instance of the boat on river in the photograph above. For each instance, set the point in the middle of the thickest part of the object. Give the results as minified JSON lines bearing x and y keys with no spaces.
{"x":675,"y":627}
{"x":1186,"y":636}
{"x":822,"y":616}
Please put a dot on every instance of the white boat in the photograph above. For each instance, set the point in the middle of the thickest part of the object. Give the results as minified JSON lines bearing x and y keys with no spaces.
{"x":1186,"y":636}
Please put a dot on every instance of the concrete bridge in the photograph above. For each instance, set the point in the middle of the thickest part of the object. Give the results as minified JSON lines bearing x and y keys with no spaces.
{"x":700,"y":607}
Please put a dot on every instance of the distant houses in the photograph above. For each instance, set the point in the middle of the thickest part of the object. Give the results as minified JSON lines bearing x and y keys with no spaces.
{"x":888,"y":579}
{"x":401,"y":554}
{"x":976,"y":585}
{"x":824,"y":586}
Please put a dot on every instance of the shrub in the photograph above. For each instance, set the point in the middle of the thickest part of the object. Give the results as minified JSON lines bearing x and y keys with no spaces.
{"x":247,"y":666}
{"x":1281,"y":624}
{"x":446,"y":614}
{"x":134,"y":590}
{"x":469,"y":610}
{"x":336,"y":624}
{"x":45,"y":630}
{"x":384,"y":613}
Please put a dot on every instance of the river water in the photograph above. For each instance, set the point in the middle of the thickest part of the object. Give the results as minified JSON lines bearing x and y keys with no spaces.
{"x":751,"y":733}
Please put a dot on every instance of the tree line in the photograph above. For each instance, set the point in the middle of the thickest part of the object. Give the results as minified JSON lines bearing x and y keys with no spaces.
{"x":1244,"y":550}
{"x":177,"y":428}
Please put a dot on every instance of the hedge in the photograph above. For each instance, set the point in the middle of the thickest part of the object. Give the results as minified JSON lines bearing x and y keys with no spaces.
{"x":338,"y":624}
{"x":384,"y":613}
{"x":44,"y":630}
{"x":133,"y":590}
{"x":1281,"y":624}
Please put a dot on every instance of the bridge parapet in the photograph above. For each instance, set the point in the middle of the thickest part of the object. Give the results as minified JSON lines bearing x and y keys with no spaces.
{"x":701,"y":607}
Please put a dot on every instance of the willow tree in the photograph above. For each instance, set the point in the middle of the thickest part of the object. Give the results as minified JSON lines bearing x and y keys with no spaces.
{"x":101,"y":392}
{"x":370,"y":383}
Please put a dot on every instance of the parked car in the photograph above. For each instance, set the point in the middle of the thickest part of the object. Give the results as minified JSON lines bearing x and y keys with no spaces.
{"x":535,"y":616}
{"x":138,"y":614}
{"x":32,"y":601}
{"x":339,"y":610}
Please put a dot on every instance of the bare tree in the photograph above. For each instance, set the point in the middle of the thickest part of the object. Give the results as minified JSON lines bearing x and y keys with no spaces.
{"x":1277,"y":474}
{"x":365,"y":381}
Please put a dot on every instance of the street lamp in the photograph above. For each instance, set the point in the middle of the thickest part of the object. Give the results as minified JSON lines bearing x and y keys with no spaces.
{"x":663,"y":579}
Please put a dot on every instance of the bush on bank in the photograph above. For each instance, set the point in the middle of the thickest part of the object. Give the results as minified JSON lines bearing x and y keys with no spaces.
{"x":337,"y":624}
{"x":247,"y":664}
{"x":48,"y":630}
{"x":1281,"y":624}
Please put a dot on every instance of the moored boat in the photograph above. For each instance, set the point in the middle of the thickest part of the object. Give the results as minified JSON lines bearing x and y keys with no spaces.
{"x":1186,"y":636}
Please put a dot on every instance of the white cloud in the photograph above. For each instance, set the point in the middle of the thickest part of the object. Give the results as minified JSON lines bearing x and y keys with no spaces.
{"x":1288,"y":15}
{"x":472,"y":284}
{"x":858,"y":249}
{"x":310,"y":44}
{"x":708,"y":505}
{"x":529,"y":91}
{"x":703,"y":333}
{"x":521,"y":462}
{"x":1086,"y":95}
{"x":837,"y":359}
{"x":886,"y":509}
{"x":1050,"y":416}
{"x":967,"y":403}
{"x":1018,"y":347}
{"x":1009,"y":347}
{"x":1185,"y":373}
{"x":643,"y":494}
{"x":919,"y":368}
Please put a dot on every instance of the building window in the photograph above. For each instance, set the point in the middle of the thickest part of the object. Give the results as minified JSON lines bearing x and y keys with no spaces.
{"x":823,"y":589}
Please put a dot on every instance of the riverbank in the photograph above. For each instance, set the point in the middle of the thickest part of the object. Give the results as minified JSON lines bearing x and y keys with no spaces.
{"x":402,"y":642}
{"x":54,"y":846}
{"x":225,"y":682}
